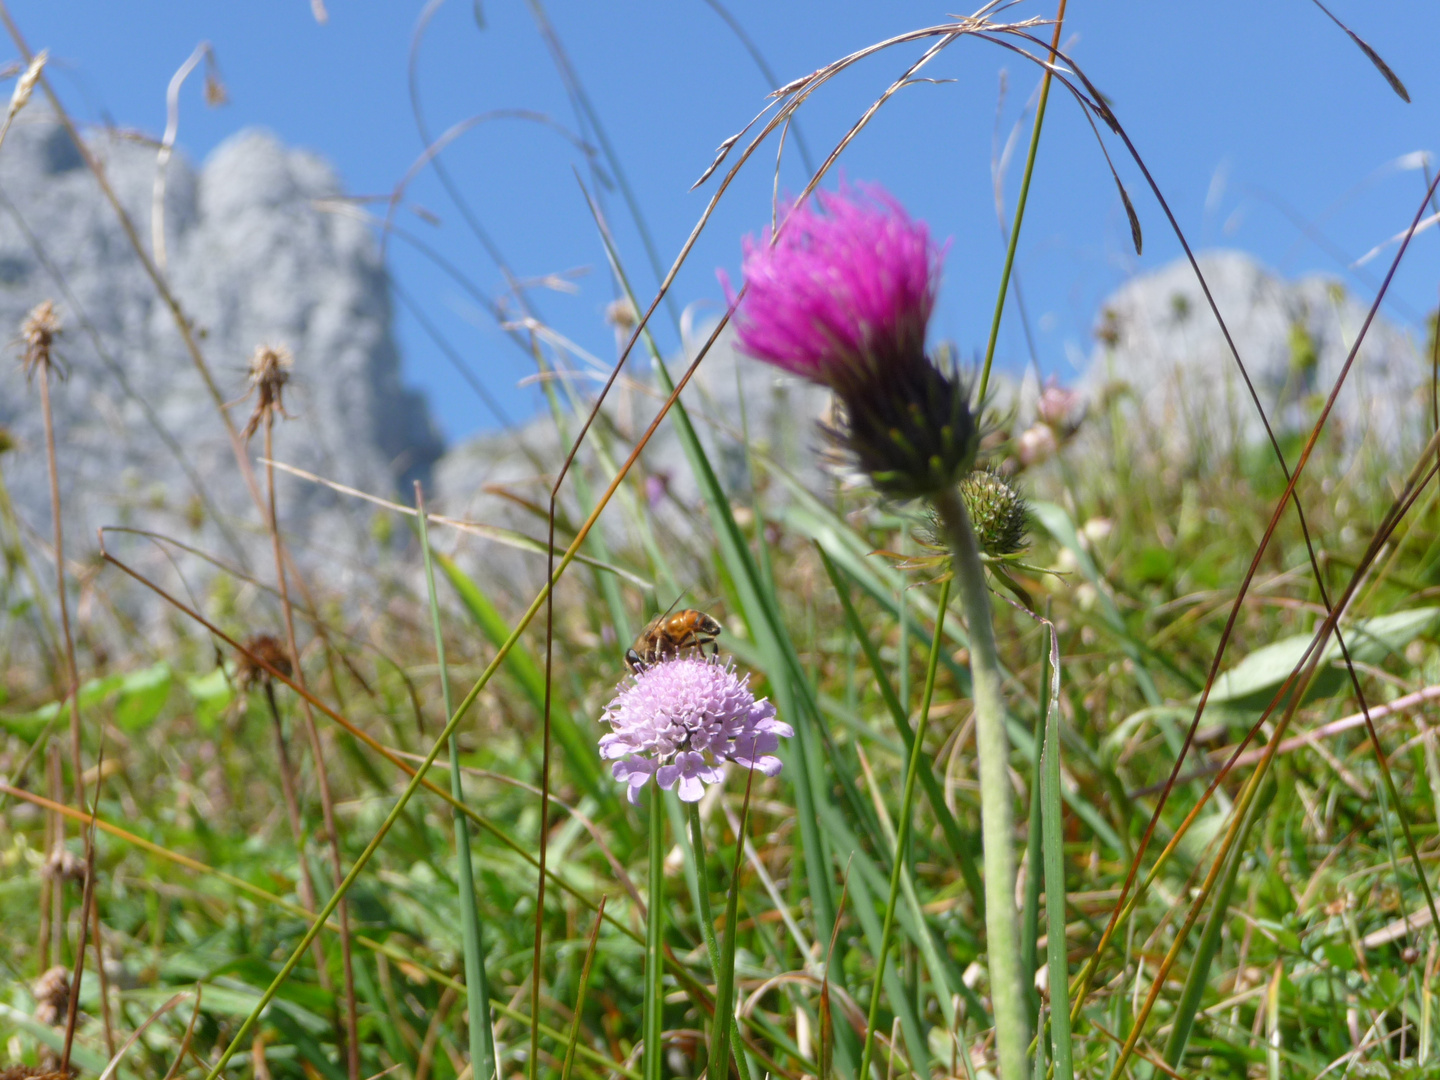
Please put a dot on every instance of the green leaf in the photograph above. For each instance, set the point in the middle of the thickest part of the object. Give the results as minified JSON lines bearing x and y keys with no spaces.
{"x":210,"y":694}
{"x":143,"y":694}
{"x":1253,"y":681}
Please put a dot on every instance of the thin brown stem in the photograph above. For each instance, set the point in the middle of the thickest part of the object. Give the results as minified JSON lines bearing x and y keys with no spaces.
{"x":57,"y":851}
{"x":72,"y":671}
{"x":292,"y":813}
{"x":100,"y":963}
{"x":327,"y":803}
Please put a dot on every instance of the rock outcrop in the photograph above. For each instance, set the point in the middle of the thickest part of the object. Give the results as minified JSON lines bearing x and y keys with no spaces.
{"x":255,"y":255}
{"x":1159,"y":340}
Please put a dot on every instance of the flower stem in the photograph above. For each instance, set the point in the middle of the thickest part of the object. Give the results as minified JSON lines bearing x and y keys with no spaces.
{"x":1002,"y":927}
{"x":902,"y":834}
{"x":707,"y":922}
{"x":653,"y":1024}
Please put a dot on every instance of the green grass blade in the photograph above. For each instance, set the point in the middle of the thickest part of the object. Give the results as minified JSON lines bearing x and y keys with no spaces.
{"x":1052,"y":843}
{"x":961,"y":845}
{"x":782,"y":664}
{"x":725,"y":982}
{"x":582,"y":761}
{"x":1030,"y":916}
{"x":580,"y":992}
{"x":1198,"y":979}
{"x":482,"y":1036}
{"x":707,"y":916}
{"x":907,"y":812}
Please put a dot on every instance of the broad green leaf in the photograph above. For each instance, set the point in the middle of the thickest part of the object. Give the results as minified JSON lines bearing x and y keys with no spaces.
{"x":210,"y":693}
{"x":143,"y":694}
{"x":1254,"y":680}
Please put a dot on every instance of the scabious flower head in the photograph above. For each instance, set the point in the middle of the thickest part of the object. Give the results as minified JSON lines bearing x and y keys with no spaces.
{"x":842,"y":297}
{"x":681,"y":720}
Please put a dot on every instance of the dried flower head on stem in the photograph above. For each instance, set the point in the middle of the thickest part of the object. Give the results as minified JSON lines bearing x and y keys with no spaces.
{"x":269,"y":372}
{"x":37,"y":335}
{"x":261,"y":650}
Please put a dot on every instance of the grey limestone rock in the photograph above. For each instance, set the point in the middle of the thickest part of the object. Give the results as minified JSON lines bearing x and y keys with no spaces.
{"x":255,"y":255}
{"x":1159,"y":340}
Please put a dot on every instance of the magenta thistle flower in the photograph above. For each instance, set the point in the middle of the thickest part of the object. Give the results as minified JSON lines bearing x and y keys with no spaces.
{"x":842,"y":297}
{"x":681,"y":720}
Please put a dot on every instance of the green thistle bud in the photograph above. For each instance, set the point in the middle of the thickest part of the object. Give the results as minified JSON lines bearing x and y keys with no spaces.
{"x":998,"y":513}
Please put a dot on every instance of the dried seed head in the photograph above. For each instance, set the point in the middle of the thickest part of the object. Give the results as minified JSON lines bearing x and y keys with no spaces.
{"x":269,"y":372}
{"x":25,"y":85}
{"x":622,"y":315}
{"x":997,"y":512}
{"x":261,"y":647}
{"x":37,"y":334}
{"x":52,"y":996}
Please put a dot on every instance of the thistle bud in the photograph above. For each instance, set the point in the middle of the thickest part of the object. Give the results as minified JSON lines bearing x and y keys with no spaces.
{"x":998,"y":513}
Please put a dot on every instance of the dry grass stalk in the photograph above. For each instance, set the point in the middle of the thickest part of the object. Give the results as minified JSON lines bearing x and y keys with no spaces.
{"x":269,"y":372}
{"x":258,"y":650}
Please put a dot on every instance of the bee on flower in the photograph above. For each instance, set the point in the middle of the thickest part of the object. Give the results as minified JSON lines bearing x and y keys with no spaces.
{"x":680,"y":720}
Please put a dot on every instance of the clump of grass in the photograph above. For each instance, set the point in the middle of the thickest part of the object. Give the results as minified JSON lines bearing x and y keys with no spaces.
{"x":855,"y":927}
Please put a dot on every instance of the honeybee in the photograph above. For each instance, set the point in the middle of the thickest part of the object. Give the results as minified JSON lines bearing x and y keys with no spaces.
{"x":668,"y":635}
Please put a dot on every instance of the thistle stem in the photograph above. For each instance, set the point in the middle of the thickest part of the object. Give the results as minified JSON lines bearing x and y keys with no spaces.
{"x":1002,"y":927}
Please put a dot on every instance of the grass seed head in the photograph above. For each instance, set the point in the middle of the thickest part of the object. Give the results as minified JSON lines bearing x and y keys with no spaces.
{"x":52,"y":996}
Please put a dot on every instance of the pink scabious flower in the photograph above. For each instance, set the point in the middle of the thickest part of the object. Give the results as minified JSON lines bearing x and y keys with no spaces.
{"x":680,"y":720}
{"x":842,"y":296}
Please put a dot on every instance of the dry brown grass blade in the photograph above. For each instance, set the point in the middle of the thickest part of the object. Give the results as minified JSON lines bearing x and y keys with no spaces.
{"x":1374,"y":57}
{"x":189,"y":1034}
{"x":1242,"y":757}
{"x":432,"y":151}
{"x":509,"y":537}
{"x":204,"y":52}
{"x":262,"y":663}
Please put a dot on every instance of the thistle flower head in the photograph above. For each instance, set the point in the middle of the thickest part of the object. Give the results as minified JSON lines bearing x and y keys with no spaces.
{"x":842,"y":296}
{"x":681,"y":720}
{"x":842,"y":290}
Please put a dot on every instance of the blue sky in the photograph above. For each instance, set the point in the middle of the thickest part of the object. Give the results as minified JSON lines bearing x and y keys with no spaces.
{"x":1267,"y":129}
